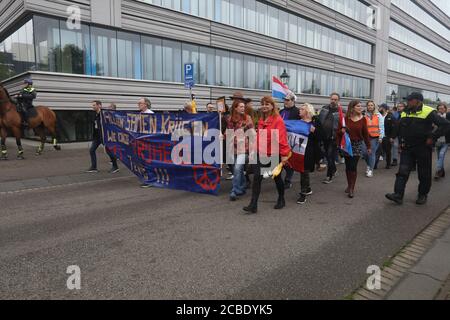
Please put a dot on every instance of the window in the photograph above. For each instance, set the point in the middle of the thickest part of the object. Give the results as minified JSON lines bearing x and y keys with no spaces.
{"x":273,"y":22}
{"x":261,"y":15}
{"x":301,"y":74}
{"x":172,"y":68}
{"x":104,"y":52}
{"x":48,"y":44}
{"x":206,"y":9}
{"x":225,"y":11}
{"x":249,"y":72}
{"x":236,"y":13}
{"x":75,"y":49}
{"x":236,"y":70}
{"x":222,"y":68}
{"x":207,"y":66}
{"x":250,"y":15}
{"x":129,"y":53}
{"x":283,"y":25}
{"x":302,"y":32}
{"x":309,"y":34}
{"x":262,"y":71}
{"x":152,"y":58}
{"x":293,"y":28}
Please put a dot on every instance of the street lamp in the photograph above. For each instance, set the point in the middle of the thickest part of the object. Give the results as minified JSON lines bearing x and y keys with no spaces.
{"x":394,"y":98}
{"x":285,"y":78}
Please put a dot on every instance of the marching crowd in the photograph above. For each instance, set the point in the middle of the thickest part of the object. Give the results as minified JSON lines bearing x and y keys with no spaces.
{"x":403,"y":136}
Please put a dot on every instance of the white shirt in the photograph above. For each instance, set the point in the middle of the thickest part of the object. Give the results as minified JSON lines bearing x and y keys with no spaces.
{"x":148,"y":111}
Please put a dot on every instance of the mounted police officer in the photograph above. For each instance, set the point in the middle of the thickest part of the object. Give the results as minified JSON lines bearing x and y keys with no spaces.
{"x":25,"y":99}
{"x":416,"y":138}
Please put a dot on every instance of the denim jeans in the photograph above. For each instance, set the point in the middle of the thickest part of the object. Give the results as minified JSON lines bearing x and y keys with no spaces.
{"x":371,"y":159}
{"x":239,"y":182}
{"x":441,"y":151}
{"x":92,"y":151}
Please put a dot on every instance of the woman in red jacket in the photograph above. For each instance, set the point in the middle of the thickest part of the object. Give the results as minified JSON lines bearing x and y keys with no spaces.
{"x":271,"y":135}
{"x":356,"y":127}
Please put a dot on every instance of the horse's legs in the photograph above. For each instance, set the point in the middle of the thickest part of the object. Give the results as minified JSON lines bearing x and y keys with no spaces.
{"x":17,"y":134}
{"x":52,"y":131}
{"x":4,"y":152}
{"x":41,"y":133}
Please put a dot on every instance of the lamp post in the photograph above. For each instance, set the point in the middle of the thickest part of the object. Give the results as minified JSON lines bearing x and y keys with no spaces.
{"x":285,"y":78}
{"x":394,"y":98}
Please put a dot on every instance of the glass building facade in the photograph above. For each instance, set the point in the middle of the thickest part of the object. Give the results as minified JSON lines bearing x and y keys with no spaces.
{"x":105,"y":52}
{"x":354,"y":9}
{"x":259,"y":17}
{"x":413,"y":68}
{"x":413,"y":10}
{"x":414,"y":40}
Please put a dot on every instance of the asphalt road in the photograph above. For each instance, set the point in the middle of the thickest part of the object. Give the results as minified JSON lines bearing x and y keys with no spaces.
{"x":133,"y":243}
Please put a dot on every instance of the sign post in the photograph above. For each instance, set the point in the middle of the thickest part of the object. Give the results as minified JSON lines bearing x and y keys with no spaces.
{"x":189,"y":80}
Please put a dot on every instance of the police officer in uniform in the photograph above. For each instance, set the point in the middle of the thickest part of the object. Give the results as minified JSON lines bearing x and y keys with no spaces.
{"x":416,"y":138}
{"x":25,"y":98}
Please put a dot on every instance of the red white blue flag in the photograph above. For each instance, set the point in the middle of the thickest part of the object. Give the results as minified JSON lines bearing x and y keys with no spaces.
{"x":279,"y":90}
{"x":298,"y":133}
{"x":345,"y":144}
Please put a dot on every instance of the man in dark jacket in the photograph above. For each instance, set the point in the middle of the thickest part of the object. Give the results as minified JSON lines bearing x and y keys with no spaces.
{"x":98,"y":140}
{"x":289,"y":112}
{"x":390,"y":125}
{"x":329,"y":120}
{"x":417,"y":135}
{"x":25,"y":99}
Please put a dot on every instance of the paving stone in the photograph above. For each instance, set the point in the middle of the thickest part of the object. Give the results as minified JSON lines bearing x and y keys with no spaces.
{"x":436,"y":262}
{"x":393,"y":272}
{"x":415,"y":287}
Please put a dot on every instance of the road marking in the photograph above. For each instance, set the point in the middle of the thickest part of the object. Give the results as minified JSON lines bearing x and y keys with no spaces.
{"x":62,"y":185}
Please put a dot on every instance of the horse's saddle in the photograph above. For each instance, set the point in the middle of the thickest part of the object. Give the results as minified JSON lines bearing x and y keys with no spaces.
{"x":29,"y":113}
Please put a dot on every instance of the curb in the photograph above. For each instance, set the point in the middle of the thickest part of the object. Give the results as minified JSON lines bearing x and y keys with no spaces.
{"x":406,"y":259}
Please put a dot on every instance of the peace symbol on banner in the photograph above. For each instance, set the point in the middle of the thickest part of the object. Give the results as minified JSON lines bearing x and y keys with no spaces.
{"x":206,"y":177}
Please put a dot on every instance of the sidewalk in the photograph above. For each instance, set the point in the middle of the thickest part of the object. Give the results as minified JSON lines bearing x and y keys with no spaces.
{"x":420,"y":271}
{"x":429,"y":279}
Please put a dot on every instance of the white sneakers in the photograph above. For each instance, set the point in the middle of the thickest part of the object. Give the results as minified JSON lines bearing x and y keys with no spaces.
{"x":369,"y":173}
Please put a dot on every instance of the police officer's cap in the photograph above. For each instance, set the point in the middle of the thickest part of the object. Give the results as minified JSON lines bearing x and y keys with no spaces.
{"x":28,"y":81}
{"x":415,"y":96}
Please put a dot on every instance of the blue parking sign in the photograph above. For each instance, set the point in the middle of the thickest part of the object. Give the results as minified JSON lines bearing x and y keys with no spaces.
{"x":189,"y":81}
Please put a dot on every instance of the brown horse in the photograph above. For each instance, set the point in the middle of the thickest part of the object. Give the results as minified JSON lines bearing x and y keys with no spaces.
{"x":43,"y":119}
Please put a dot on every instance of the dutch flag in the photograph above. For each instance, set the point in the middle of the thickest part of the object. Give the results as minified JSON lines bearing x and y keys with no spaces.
{"x":279,"y":90}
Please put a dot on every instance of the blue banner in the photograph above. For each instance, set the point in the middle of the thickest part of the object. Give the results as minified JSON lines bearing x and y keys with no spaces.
{"x":167,"y":150}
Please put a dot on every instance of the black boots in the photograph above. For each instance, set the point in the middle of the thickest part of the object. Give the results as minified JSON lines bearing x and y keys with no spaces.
{"x":281,"y":203}
{"x":251,"y":208}
{"x":394,"y":197}
{"x":421,"y":200}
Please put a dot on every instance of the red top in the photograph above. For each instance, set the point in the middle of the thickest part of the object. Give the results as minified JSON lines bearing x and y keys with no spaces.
{"x":357,"y":131}
{"x":273,"y":123}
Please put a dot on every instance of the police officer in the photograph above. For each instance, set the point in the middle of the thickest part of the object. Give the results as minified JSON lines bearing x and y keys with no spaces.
{"x":25,"y":98}
{"x":416,"y":138}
